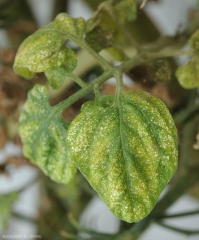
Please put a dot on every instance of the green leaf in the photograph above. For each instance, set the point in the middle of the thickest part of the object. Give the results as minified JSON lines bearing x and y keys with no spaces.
{"x":41,"y":51}
{"x":126,"y":10}
{"x":107,"y":27}
{"x":6,"y":202}
{"x":43,"y":134}
{"x":45,"y":49}
{"x":71,"y":26}
{"x":188,"y":75}
{"x":57,"y":76}
{"x":194,"y":41}
{"x":128,"y":152}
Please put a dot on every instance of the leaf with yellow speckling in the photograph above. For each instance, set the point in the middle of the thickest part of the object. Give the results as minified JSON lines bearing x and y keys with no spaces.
{"x":57,"y":76}
{"x":43,"y":133}
{"x":127,"y":151}
{"x":188,"y":74}
{"x":46,"y":49}
{"x":71,"y":26}
{"x":41,"y":51}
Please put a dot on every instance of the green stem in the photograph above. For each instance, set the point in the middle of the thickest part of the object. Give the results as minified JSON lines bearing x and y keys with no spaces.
{"x":76,"y":96}
{"x":178,"y":214}
{"x":180,"y":230}
{"x":105,"y":65}
{"x":119,"y":83}
{"x":144,"y":57}
{"x":24,"y":218}
{"x":97,"y":92}
{"x":84,"y":45}
{"x":77,"y":80}
{"x":88,"y":231}
{"x":114,"y":71}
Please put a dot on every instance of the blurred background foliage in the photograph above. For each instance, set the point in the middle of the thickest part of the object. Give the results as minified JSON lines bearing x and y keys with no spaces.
{"x":58,"y":201}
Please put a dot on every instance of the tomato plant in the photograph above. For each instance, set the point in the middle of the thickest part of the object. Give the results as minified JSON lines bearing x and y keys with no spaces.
{"x":125,"y":145}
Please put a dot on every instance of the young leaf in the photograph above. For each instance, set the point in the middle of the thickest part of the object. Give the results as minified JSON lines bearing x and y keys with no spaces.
{"x":45,"y":49}
{"x":126,"y":10}
{"x":41,"y":51}
{"x":43,"y":134}
{"x":128,"y":152}
{"x":71,"y":26}
{"x":57,"y":76}
{"x":188,"y":75}
{"x":104,"y":29}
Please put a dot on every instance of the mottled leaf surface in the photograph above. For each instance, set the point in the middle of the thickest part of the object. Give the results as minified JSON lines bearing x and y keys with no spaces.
{"x":57,"y":76}
{"x":188,"y":74}
{"x":46,"y":48}
{"x":41,"y":51}
{"x":194,"y":41}
{"x":71,"y":26}
{"x":128,"y":152}
{"x":43,"y":134}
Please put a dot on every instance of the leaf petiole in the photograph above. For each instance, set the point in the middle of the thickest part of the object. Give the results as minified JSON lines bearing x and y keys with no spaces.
{"x":77,"y":80}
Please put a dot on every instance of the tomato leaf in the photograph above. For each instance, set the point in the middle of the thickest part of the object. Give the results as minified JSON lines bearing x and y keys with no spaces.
{"x":126,"y":10}
{"x":57,"y":76}
{"x":188,"y":75}
{"x":71,"y":26}
{"x":105,"y":30}
{"x":43,"y":134}
{"x":194,"y":41}
{"x":46,"y":48}
{"x":39,"y":52}
{"x":128,"y":152}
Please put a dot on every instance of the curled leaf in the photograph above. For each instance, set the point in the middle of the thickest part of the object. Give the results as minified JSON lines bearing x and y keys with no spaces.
{"x":43,"y":134}
{"x":71,"y":26}
{"x":41,"y":51}
{"x":46,"y":48}
{"x":127,"y":152}
{"x":57,"y":76}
